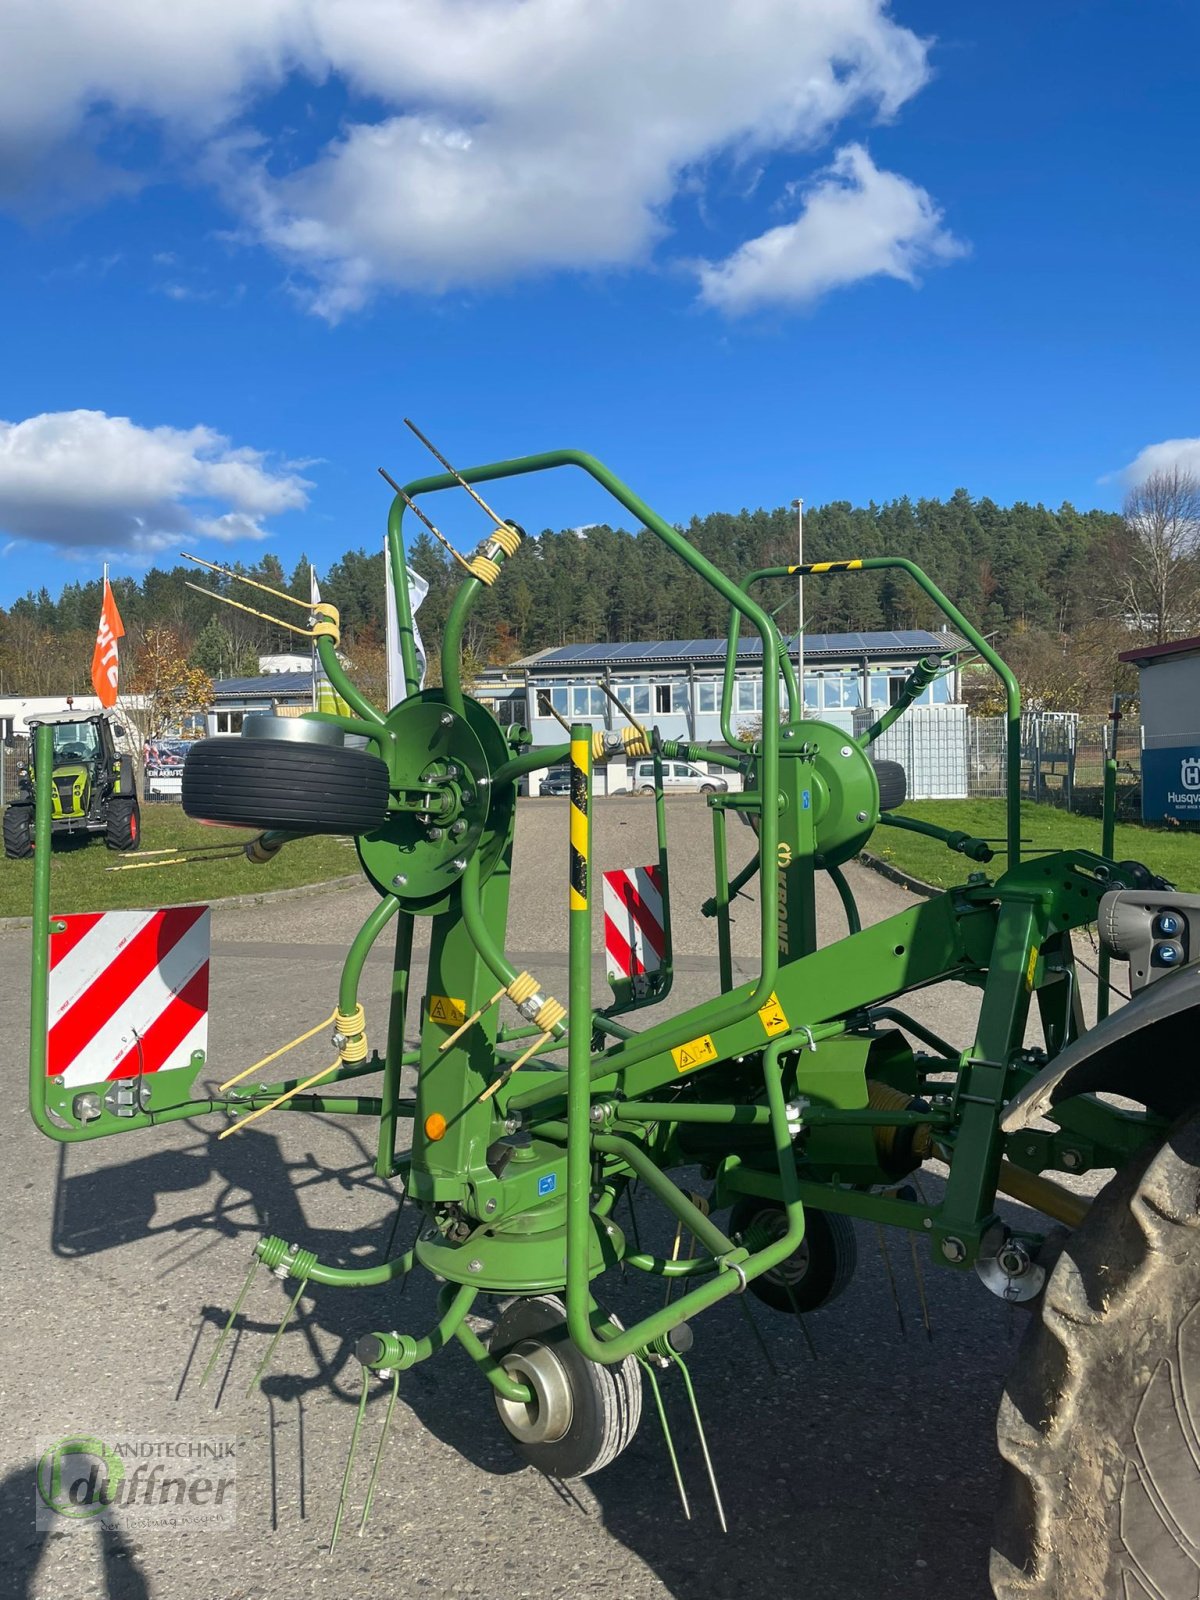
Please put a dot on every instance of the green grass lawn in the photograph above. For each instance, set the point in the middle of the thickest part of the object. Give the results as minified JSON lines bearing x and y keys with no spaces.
{"x":1171,"y":854}
{"x":79,"y":880}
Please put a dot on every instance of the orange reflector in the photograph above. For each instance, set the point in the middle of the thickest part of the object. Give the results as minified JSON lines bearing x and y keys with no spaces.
{"x":435,"y":1126}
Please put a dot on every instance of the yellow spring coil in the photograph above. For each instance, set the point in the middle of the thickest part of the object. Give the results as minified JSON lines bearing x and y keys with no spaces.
{"x":635,"y":742}
{"x":508,"y":538}
{"x":522,"y":987}
{"x":550,"y":1013}
{"x":486,"y":570}
{"x":598,"y":751}
{"x":352,"y":1022}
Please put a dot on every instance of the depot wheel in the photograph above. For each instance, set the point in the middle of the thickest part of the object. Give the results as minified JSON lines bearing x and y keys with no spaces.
{"x":893,"y":784}
{"x":583,"y":1414}
{"x":18,"y":832}
{"x":646,"y":788}
{"x":297,"y":787}
{"x":815,"y":1273}
{"x":123,"y":830}
{"x":1099,"y":1425}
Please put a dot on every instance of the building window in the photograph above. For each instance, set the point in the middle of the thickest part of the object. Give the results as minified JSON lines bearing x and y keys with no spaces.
{"x":749,"y":694}
{"x":708,"y":697}
{"x":878,"y":689}
{"x":586,"y":701}
{"x":662,"y":698}
{"x":811,"y":692}
{"x":229,"y":721}
{"x":635,"y":697}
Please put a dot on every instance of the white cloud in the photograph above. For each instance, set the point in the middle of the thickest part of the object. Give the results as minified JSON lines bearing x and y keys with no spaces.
{"x":1162,"y":457}
{"x":857,"y":222}
{"x":515,"y":136}
{"x":84,"y":480}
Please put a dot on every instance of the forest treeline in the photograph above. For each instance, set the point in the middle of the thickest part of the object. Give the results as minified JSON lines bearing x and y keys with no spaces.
{"x":1045,"y":582}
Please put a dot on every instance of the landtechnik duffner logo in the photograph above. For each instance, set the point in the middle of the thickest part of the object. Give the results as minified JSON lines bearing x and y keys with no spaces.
{"x":82,"y":1480}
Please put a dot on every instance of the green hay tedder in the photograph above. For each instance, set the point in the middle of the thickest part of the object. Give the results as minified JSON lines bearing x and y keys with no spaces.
{"x":809,"y":1096}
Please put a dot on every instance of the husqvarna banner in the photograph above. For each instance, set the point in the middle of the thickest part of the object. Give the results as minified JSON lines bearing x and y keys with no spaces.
{"x":1171,"y":784}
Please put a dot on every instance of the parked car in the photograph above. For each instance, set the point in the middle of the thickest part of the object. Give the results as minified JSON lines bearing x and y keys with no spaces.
{"x":556,"y":781}
{"x":679,"y":777}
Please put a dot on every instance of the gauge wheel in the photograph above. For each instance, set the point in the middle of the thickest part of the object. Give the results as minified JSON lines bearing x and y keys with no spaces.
{"x":1099,"y":1425}
{"x":583,"y":1414}
{"x":275,"y":784}
{"x":816,"y":1272}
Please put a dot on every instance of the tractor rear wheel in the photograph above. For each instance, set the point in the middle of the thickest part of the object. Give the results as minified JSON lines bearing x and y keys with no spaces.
{"x":1099,"y":1426}
{"x":816,"y":1272}
{"x":123,"y":830}
{"x":583,"y":1414}
{"x":18,"y":832}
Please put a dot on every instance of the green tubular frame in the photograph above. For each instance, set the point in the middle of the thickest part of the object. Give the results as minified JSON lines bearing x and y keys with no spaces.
{"x":1012,"y":692}
{"x":629,"y":1111}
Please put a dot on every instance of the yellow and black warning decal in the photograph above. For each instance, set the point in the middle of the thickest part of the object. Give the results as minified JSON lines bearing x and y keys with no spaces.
{"x":826,"y":566}
{"x":446,"y":1008}
{"x":773,"y":1017}
{"x":579,"y":825}
{"x":695,"y":1053}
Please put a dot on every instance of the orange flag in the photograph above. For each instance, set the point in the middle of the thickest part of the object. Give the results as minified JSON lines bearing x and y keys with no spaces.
{"x":104,"y":656}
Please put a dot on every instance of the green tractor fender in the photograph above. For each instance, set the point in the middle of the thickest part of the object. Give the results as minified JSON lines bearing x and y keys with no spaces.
{"x":122,"y":770}
{"x":1146,"y":1050}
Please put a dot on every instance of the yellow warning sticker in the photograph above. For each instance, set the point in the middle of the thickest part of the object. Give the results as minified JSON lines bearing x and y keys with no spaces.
{"x":696,"y":1053}
{"x":1031,"y":968}
{"x":445,"y":1008}
{"x":772,"y":1016}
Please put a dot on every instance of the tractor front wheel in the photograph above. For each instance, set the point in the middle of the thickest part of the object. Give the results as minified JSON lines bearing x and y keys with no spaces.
{"x":1099,"y":1426}
{"x":582,"y":1414}
{"x":124,"y":828}
{"x":18,"y":832}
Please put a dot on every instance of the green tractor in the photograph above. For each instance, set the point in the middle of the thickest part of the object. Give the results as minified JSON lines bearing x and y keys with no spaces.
{"x":92,"y":787}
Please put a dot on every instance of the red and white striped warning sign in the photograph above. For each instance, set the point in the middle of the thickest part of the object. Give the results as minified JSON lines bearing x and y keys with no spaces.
{"x":128,"y":993}
{"x":633,"y":922}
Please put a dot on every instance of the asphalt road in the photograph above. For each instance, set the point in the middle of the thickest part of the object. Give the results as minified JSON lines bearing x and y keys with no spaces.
{"x":867,"y":1472}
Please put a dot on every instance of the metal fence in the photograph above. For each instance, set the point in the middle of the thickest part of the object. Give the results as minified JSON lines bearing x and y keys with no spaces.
{"x":1062,"y":761}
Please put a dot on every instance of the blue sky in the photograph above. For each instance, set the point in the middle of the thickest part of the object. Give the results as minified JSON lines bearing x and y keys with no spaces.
{"x":842,"y":250}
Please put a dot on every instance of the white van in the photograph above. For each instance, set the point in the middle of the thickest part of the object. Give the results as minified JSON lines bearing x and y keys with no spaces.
{"x":679,"y":777}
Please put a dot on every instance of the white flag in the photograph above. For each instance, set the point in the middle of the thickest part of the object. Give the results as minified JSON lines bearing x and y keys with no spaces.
{"x":418,"y":588}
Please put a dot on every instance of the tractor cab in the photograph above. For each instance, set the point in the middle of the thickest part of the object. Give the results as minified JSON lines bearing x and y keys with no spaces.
{"x":91,"y":786}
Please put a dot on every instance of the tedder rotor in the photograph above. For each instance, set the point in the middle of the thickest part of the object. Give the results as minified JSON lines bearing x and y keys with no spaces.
{"x":808,"y":1095}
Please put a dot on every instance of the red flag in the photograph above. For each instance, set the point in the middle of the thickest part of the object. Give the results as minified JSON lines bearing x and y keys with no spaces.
{"x":104,"y":656}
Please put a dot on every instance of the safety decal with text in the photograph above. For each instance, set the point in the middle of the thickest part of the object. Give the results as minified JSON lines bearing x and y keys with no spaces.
{"x":445,"y":1008}
{"x":696,"y":1053}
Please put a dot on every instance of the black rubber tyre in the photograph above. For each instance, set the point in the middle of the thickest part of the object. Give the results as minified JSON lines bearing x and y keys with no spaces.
{"x":893,"y":784}
{"x":271,"y":783}
{"x":124,"y":824}
{"x":605,"y":1403}
{"x":708,"y":788}
{"x":817,"y":1272}
{"x":647,"y":788}
{"x":1099,"y":1426}
{"x":18,"y":833}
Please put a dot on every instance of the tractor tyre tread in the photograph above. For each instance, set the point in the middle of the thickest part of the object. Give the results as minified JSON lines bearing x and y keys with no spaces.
{"x":123,"y":825}
{"x":18,"y":832}
{"x":1099,"y":1424}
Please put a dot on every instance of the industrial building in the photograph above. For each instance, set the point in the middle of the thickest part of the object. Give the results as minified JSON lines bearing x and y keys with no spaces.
{"x":677,"y":685}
